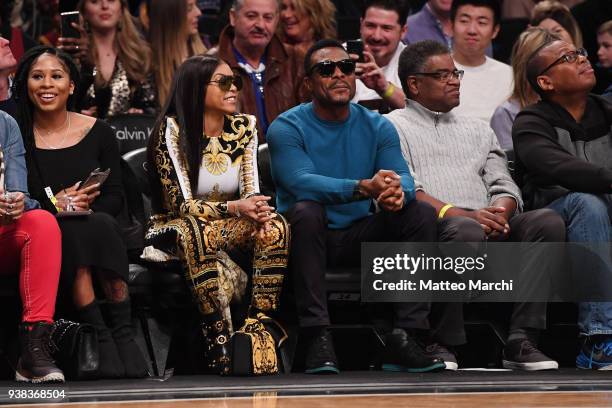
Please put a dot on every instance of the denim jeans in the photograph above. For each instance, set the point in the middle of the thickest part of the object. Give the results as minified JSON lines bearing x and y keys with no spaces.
{"x":587,"y":217}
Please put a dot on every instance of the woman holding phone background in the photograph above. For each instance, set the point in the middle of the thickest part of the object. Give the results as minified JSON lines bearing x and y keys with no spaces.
{"x":116,"y":76}
{"x":62,"y":148}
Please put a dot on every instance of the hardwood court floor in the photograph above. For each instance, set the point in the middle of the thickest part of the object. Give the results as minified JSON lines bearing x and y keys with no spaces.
{"x":457,"y":400}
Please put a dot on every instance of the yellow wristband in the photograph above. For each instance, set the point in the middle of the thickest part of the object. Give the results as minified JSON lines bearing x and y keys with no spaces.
{"x":54,"y":202}
{"x":389,"y":91}
{"x":444,"y":209}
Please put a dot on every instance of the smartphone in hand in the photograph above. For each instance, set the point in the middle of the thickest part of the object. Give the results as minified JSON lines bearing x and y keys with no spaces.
{"x":95,"y":177}
{"x":67,"y":30}
{"x":355,"y":47}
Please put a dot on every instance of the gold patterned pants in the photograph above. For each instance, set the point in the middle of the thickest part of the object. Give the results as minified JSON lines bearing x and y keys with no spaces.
{"x":199,"y":241}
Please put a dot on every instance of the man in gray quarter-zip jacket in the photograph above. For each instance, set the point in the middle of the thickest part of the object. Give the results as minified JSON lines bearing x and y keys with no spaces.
{"x":462,"y":172}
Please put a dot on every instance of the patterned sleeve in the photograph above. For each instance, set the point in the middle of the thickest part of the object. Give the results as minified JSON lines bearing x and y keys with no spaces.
{"x":249,"y":174}
{"x":174,"y":178}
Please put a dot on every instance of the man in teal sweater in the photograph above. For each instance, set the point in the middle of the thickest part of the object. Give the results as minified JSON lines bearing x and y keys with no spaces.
{"x":330,"y":160}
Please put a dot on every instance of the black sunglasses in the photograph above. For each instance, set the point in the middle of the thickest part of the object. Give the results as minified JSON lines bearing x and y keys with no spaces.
{"x":327,"y":68}
{"x":225,"y":82}
{"x":568,"y":58}
{"x":443,"y":76}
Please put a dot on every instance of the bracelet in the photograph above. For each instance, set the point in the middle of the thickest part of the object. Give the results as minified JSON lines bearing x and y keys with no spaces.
{"x":444,"y":209}
{"x":53,"y":200}
{"x":389,"y":91}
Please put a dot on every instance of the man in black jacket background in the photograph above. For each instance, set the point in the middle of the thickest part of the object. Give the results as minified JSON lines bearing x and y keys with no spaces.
{"x":563,"y":147}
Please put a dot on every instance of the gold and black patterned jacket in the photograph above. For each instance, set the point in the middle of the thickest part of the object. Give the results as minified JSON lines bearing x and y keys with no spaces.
{"x":234,"y":151}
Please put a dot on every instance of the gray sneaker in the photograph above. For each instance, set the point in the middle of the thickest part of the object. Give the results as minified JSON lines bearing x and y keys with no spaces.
{"x":437,"y":350}
{"x":522,"y":354}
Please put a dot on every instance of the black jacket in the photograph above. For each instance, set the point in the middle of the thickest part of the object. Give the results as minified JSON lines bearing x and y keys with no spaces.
{"x":556,"y":155}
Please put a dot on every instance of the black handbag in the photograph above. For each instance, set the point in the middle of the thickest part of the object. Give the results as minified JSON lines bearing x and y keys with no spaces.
{"x":256,"y":347}
{"x":74,"y":346}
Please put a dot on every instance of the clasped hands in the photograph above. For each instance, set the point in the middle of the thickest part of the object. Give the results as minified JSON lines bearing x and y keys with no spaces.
{"x":386,"y":188}
{"x":256,"y":209}
{"x":12,"y":206}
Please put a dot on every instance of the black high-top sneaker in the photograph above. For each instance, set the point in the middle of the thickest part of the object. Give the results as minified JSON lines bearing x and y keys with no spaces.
{"x":35,"y":364}
{"x":216,"y":336}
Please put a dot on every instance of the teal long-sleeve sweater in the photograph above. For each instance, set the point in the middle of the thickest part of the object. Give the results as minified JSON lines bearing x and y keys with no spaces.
{"x":322,"y":161}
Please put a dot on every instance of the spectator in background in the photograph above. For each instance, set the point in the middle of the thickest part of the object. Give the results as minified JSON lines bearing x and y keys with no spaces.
{"x":522,"y":8}
{"x":174,"y":37}
{"x":116,"y":76}
{"x":557,"y":18}
{"x":487,"y":82}
{"x":381,"y":28}
{"x":330,"y":160}
{"x":523,"y":94}
{"x":304,"y":22}
{"x":30,"y":246}
{"x":7,"y":66}
{"x":62,"y":148}
{"x":604,"y":53}
{"x":562,"y":148}
{"x":432,"y":22}
{"x":270,"y":72}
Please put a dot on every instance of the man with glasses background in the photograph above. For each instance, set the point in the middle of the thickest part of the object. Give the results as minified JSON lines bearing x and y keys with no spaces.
{"x":563,"y":154}
{"x":460,"y":169}
{"x":330,"y":160}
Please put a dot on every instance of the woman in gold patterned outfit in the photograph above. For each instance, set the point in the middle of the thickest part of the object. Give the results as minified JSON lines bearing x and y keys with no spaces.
{"x":202,"y":159}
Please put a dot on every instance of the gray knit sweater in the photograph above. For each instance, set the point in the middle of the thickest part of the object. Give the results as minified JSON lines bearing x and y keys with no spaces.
{"x":456,"y":159}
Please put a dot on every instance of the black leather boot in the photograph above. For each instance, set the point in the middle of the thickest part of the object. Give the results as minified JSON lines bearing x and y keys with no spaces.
{"x":216,"y":336}
{"x":35,"y":363}
{"x":119,"y":318}
{"x":111,"y":365}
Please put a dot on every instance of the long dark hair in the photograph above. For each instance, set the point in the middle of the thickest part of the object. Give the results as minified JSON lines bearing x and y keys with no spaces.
{"x":25,"y":107}
{"x":186,"y":104}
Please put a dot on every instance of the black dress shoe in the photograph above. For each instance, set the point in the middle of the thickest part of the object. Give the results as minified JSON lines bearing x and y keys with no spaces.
{"x":402,"y":353}
{"x":321,"y":357}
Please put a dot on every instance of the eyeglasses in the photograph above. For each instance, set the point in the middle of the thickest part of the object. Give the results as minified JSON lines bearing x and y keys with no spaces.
{"x":442,"y":76}
{"x":225,"y":82}
{"x":327,"y":68}
{"x":569,"y":58}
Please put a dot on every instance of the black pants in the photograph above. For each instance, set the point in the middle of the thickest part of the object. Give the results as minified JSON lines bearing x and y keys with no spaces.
{"x":542,"y":225}
{"x":314,"y":247}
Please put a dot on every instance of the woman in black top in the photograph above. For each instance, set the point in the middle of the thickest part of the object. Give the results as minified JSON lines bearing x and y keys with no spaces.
{"x":62,"y":148}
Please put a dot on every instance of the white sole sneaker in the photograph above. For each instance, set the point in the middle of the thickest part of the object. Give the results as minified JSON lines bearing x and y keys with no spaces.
{"x":536,"y":366}
{"x":49,"y":378}
{"x":451,"y":365}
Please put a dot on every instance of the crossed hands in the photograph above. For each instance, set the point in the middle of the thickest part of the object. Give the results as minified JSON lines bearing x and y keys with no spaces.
{"x":494,"y":225}
{"x":386,"y":188}
{"x":256,"y":209}
{"x":73,"y":199}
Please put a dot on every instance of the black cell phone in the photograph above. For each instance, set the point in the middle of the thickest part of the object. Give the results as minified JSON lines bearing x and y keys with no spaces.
{"x":68,"y":31}
{"x":355,"y":47}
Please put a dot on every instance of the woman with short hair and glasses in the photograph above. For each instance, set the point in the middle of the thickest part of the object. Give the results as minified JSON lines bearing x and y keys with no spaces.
{"x":206,"y":199}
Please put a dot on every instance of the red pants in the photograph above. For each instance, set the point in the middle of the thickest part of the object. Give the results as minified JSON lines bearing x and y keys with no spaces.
{"x":32,"y":247}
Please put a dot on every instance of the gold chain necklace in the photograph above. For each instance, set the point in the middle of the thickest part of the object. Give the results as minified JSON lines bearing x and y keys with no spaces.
{"x":37,"y":130}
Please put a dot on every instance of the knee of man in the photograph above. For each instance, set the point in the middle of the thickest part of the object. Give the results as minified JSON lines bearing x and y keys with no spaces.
{"x":462,"y":229}
{"x":552,"y":225}
{"x":306,"y":212}
{"x":421,"y":210}
{"x":588,"y":203}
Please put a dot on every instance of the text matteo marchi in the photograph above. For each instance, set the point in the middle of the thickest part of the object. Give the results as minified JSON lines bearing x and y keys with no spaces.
{"x":413,"y":264}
